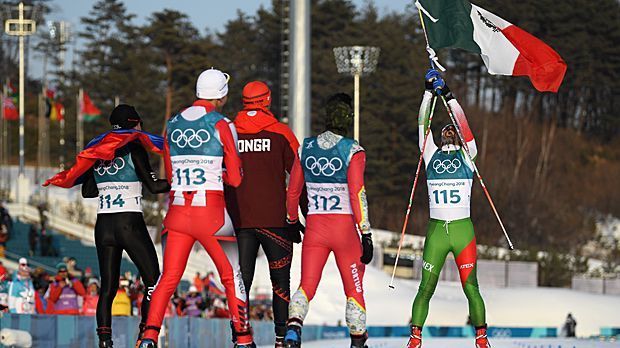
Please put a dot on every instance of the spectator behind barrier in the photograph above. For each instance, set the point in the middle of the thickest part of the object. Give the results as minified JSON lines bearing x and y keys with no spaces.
{"x":121,"y":306}
{"x":21,"y":290}
{"x":89,"y":306}
{"x":64,"y":292}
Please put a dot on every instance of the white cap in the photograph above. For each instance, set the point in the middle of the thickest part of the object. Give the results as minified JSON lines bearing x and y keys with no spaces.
{"x":23,"y":261}
{"x":212,"y":84}
{"x":193,"y":289}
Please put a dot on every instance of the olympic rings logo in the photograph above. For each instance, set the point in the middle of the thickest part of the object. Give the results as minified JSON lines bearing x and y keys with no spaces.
{"x":446,"y":166}
{"x":189,"y":137}
{"x":110,"y":167}
{"x":323,"y":166}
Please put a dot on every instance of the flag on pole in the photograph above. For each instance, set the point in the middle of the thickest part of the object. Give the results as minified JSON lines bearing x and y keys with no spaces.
{"x":10,"y":110}
{"x":88,"y":110}
{"x":55,"y":110}
{"x":13,"y":92}
{"x":505,"y":48}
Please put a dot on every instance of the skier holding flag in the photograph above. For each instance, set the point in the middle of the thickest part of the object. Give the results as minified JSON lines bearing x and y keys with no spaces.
{"x":332,"y":166}
{"x":450,"y":174}
{"x":114,"y":167}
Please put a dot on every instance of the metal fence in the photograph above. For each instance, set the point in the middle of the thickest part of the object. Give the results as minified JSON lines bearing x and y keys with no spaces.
{"x":604,"y":286}
{"x":65,"y":331}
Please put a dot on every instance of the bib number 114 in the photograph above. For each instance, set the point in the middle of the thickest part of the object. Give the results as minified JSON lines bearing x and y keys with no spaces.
{"x":453,"y":195}
{"x":107,"y":201}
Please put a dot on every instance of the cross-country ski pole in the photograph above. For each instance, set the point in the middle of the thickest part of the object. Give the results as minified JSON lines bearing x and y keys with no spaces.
{"x":484,"y":188}
{"x":415,"y":183}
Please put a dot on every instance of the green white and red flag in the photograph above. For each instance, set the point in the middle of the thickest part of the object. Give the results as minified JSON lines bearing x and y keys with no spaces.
{"x":505,"y":48}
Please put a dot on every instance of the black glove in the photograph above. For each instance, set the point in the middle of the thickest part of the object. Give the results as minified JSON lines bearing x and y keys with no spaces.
{"x":295,"y":229}
{"x":367,"y":248}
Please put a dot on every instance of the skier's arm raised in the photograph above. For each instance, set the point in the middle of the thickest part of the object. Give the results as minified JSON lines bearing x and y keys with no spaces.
{"x":423,"y":124}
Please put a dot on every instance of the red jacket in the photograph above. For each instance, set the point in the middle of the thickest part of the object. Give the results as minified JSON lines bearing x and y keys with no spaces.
{"x":56,"y":291}
{"x":268,"y":150}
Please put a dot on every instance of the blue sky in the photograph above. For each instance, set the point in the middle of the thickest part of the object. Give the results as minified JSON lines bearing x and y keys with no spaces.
{"x":212,"y":14}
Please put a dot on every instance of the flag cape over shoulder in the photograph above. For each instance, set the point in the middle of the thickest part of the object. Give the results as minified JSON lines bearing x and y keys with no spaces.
{"x":103,"y":147}
{"x":505,"y":48}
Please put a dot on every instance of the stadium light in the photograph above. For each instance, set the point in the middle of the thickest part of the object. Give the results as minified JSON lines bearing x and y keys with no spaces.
{"x":356,"y":61}
{"x":21,"y":27}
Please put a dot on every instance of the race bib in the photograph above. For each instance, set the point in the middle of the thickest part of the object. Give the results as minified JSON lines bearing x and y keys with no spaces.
{"x":196,"y":173}
{"x":328,"y":198}
{"x":452,"y":193}
{"x":116,"y":197}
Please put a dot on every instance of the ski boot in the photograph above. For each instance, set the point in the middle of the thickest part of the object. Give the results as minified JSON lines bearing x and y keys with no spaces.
{"x":481,"y":337}
{"x":106,"y":343}
{"x":280,"y":342}
{"x":105,"y":337}
{"x":293,"y":336}
{"x":148,"y":343}
{"x":415,"y":340}
{"x":140,"y":333}
{"x":251,"y":345}
{"x":359,"y":341}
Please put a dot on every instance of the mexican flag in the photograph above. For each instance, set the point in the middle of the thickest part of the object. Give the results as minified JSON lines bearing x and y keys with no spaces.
{"x":88,"y":110}
{"x":505,"y":48}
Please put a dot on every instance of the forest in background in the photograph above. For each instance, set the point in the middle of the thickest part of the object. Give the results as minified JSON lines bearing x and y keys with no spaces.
{"x":551,"y":161}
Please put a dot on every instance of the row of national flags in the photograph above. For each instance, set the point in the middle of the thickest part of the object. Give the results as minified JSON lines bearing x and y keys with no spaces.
{"x":55,"y":110}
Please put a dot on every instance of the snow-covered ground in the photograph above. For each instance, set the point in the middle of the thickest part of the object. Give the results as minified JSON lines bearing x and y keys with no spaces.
{"x":460,"y":343}
{"x":514,"y":307}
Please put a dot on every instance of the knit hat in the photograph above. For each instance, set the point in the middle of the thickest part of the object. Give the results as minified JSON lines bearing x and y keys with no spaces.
{"x":212,"y":84}
{"x":124,"y":117}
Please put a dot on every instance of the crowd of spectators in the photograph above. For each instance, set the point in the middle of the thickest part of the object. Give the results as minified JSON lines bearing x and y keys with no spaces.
{"x":72,"y":291}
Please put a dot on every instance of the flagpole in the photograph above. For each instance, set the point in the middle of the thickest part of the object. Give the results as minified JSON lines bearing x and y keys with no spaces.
{"x":79,"y":145}
{"x":3,"y":142}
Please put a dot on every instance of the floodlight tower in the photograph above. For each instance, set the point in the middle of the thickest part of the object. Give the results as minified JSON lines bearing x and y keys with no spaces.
{"x":356,"y":61}
{"x":21,"y":27}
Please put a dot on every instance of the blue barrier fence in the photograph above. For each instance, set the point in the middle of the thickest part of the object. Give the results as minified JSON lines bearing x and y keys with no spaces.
{"x":610,"y":331}
{"x":78,"y":332}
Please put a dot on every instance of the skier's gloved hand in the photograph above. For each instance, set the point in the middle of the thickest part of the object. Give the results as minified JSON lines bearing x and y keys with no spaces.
{"x":430,"y":77}
{"x":367,"y":248}
{"x":294,"y":230}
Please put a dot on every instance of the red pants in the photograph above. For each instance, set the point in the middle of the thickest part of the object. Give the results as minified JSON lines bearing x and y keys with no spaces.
{"x":211,"y":226}
{"x":332,"y":233}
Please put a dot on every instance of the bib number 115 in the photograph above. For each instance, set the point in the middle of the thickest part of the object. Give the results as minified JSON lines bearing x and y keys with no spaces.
{"x":453,"y":195}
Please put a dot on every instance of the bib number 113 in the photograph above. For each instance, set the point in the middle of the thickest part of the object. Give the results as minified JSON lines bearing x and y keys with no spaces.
{"x":453,"y":195}
{"x":185,"y":178}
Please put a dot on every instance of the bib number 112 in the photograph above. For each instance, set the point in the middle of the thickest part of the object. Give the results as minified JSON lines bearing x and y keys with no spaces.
{"x":326,"y":203}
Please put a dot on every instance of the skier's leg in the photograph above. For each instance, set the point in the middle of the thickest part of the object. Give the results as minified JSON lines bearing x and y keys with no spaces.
{"x":348,"y":254}
{"x":248,"y":244}
{"x":176,"y":254}
{"x":279,"y":252}
{"x":463,"y":243}
{"x":139,"y":246}
{"x":109,"y":255}
{"x":223,"y":250}
{"x":313,"y":258}
{"x":436,"y":248}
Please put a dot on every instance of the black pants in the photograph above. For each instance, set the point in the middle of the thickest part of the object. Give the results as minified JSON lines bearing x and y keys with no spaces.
{"x":279,"y":251}
{"x":114,"y":233}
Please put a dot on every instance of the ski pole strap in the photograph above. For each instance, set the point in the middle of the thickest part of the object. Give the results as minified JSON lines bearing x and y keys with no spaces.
{"x":434,"y":59}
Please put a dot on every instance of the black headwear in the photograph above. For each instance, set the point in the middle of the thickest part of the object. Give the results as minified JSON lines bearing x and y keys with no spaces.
{"x":124,"y":117}
{"x":339,"y":113}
